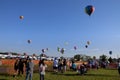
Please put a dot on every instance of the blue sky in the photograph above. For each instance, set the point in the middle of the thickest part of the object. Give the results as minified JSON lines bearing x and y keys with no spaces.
{"x":53,"y":23}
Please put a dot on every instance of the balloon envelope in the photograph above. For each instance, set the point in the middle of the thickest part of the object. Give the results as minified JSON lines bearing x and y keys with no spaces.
{"x":58,"y":49}
{"x":88,"y":42}
{"x":47,"y":49}
{"x":21,"y":17}
{"x":29,"y":41}
{"x":89,"y":9}
{"x":86,"y":46}
{"x":75,"y":47}
{"x":110,"y":52}
{"x":43,"y":50}
{"x":62,"y":50}
{"x":66,"y":43}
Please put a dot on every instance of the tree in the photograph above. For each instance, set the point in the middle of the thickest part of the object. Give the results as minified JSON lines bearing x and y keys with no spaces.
{"x":43,"y":55}
{"x":34,"y":54}
{"x":24,"y":54}
{"x":77,"y":57}
{"x":110,"y":60}
{"x":103,"y":58}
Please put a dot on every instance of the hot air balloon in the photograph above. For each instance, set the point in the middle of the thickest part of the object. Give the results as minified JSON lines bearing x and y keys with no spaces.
{"x":110,"y":52}
{"x":21,"y":17}
{"x":88,"y":42}
{"x":86,"y":46}
{"x":43,"y":50}
{"x":66,"y":43}
{"x":75,"y":47}
{"x":46,"y":49}
{"x":58,"y":49}
{"x":29,"y":41}
{"x":62,"y":51}
{"x":89,"y":9}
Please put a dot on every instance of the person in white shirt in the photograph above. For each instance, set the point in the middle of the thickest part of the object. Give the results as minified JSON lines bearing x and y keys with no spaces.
{"x":55,"y":65}
{"x":42,"y":67}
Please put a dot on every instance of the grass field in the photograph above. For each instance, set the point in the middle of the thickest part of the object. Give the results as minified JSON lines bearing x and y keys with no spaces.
{"x":101,"y":74}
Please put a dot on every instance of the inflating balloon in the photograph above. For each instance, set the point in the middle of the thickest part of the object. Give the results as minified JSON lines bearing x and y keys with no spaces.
{"x":21,"y":17}
{"x":89,"y":9}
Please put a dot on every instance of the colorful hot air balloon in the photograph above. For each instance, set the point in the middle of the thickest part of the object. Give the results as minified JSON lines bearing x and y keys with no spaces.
{"x":29,"y":41}
{"x":21,"y":17}
{"x":89,"y":9}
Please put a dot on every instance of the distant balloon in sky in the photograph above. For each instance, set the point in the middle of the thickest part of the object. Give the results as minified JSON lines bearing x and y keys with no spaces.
{"x":21,"y":17}
{"x":86,"y":46}
{"x":66,"y":43}
{"x":43,"y":50}
{"x":62,"y":51}
{"x":29,"y":41}
{"x":89,"y":9}
{"x":47,"y":49}
{"x":88,"y":42}
{"x":75,"y":47}
{"x":58,"y":49}
{"x":110,"y":52}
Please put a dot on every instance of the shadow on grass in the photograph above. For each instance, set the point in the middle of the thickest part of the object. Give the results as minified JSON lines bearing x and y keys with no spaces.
{"x":87,"y":74}
{"x":101,"y":75}
{"x":3,"y":79}
{"x":65,"y":74}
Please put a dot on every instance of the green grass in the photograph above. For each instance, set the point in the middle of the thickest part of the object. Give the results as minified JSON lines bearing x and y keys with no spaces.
{"x":101,"y":74}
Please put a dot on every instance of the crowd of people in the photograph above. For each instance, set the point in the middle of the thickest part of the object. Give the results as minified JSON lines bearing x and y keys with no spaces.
{"x":19,"y":67}
{"x":59,"y":66}
{"x":26,"y":66}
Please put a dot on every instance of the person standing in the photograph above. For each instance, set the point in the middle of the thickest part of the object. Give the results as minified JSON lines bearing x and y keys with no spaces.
{"x":42,"y":67}
{"x":73,"y":66}
{"x":29,"y":69}
{"x":64,"y":65}
{"x":20,"y":67}
{"x":55,"y":65}
{"x":119,"y":67}
{"x":0,"y":62}
{"x":59,"y":65}
{"x":16,"y":67}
